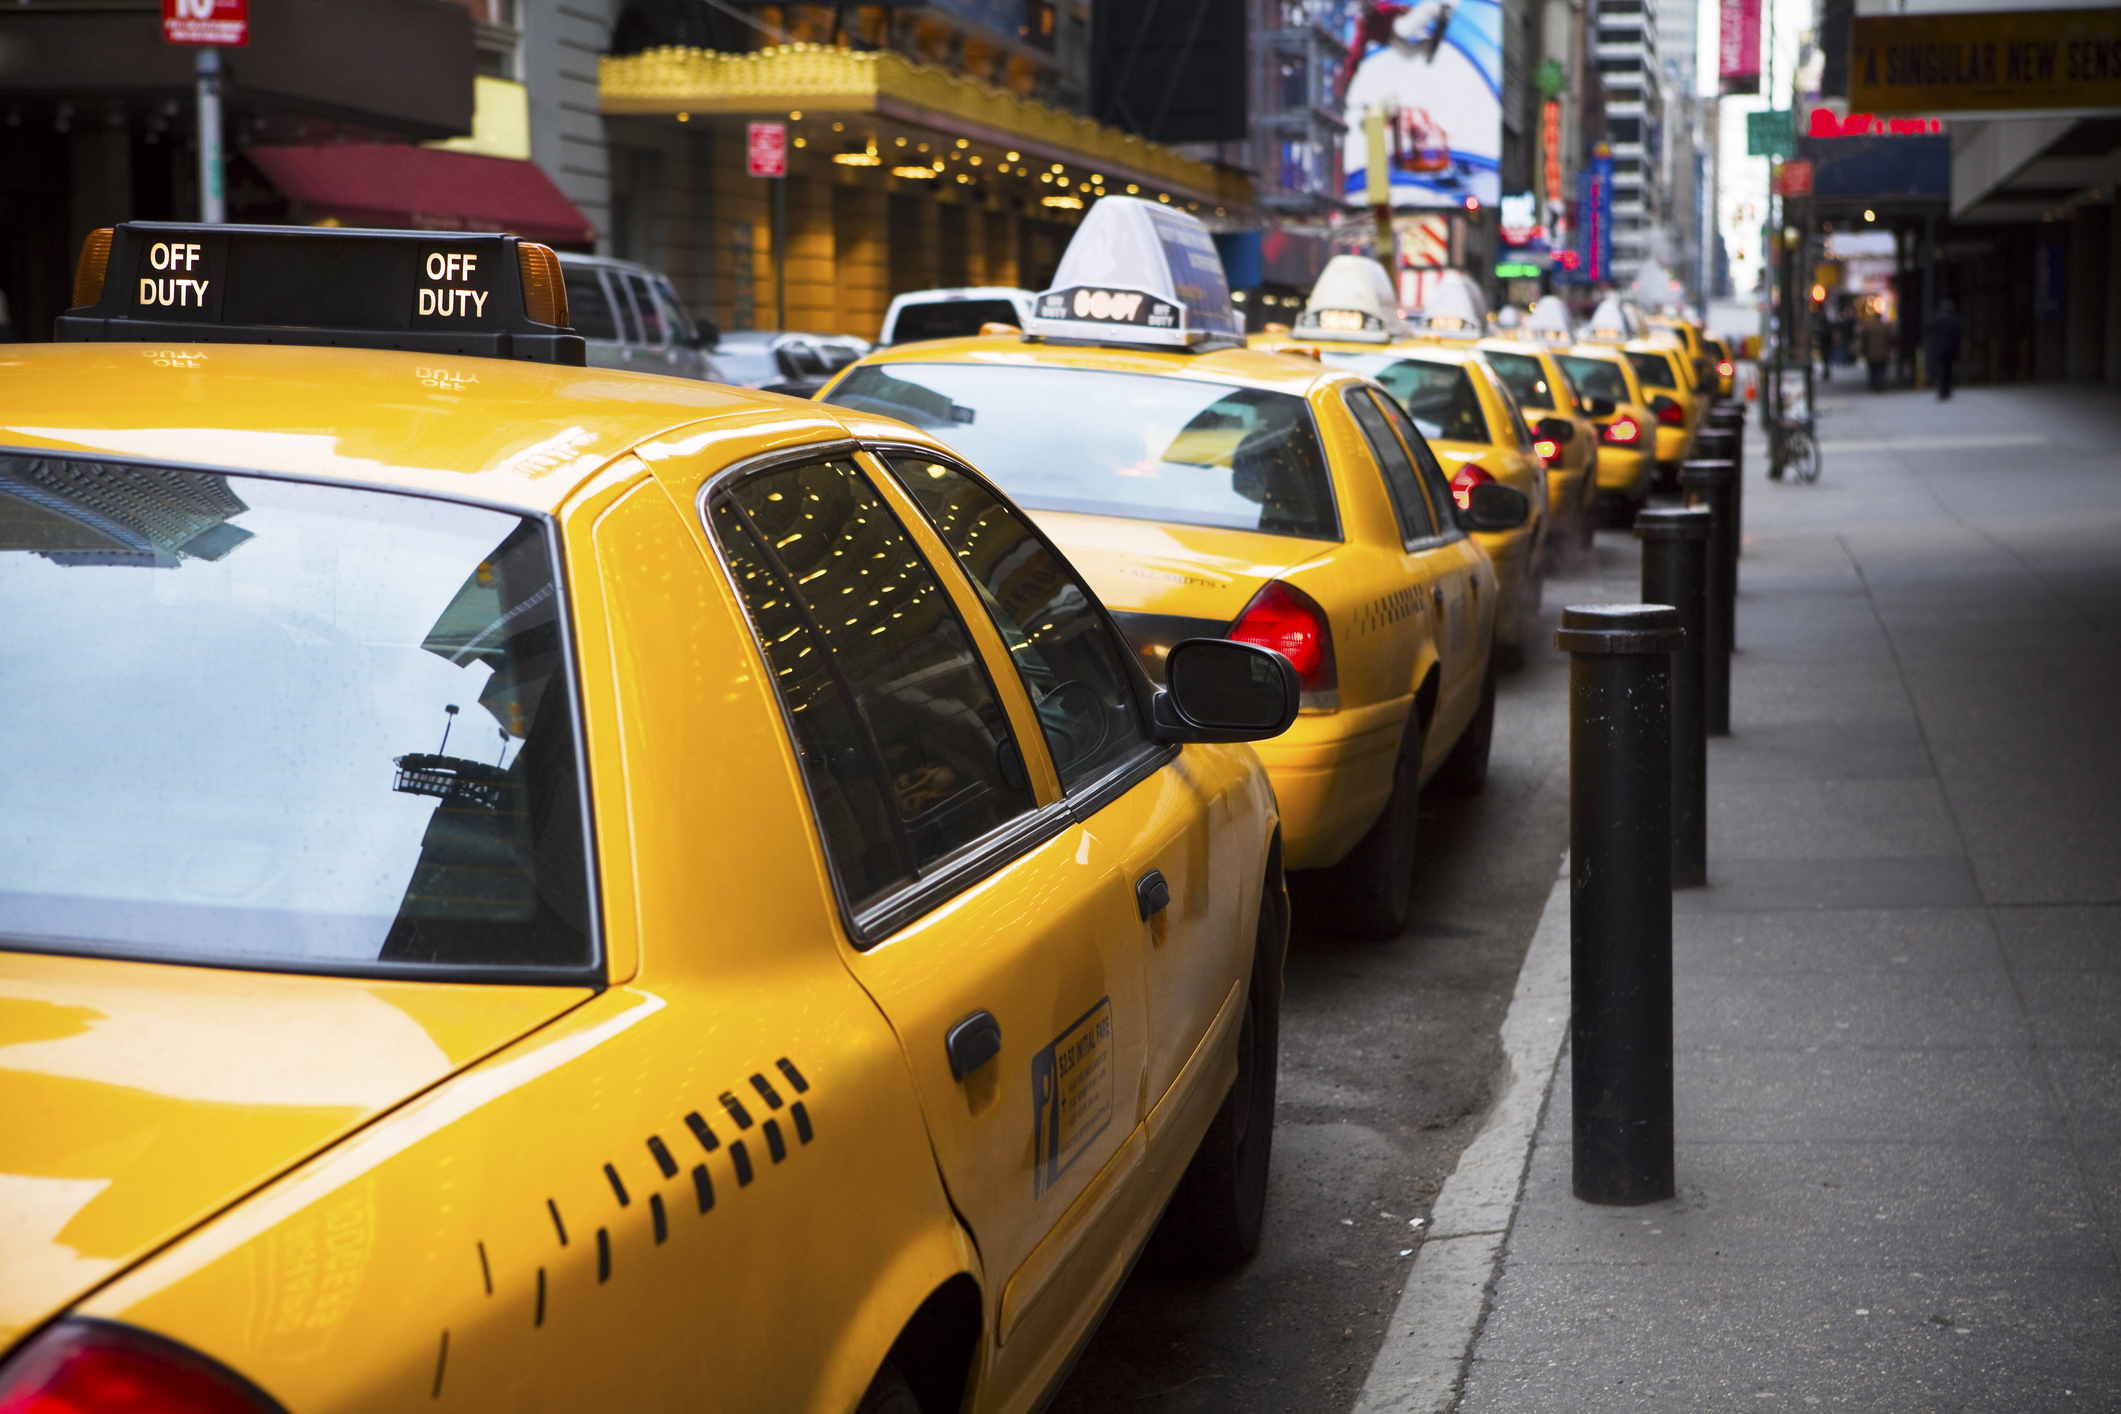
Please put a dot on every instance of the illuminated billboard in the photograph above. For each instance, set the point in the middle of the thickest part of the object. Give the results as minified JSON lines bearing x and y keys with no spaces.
{"x":1435,"y":68}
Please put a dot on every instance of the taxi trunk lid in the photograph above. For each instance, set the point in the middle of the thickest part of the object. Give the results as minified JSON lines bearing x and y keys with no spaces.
{"x":138,"y":1099}
{"x":1165,"y":582}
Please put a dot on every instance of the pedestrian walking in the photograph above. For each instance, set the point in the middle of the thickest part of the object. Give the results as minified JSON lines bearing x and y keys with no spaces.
{"x":1878,"y":339}
{"x":1940,"y":341}
{"x":1823,"y":341}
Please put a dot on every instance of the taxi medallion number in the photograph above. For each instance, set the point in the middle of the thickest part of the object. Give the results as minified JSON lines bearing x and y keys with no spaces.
{"x":1071,"y":1094}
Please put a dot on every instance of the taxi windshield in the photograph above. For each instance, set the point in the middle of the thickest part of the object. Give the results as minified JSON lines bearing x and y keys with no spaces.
{"x":273,"y":724}
{"x":1438,"y":396}
{"x":1598,"y":377}
{"x":1119,"y":444}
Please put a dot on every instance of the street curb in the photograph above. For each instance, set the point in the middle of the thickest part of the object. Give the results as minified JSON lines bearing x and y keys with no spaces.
{"x":1422,"y":1364}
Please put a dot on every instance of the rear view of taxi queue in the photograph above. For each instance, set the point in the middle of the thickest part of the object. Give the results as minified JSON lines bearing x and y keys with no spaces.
{"x":669,"y":887}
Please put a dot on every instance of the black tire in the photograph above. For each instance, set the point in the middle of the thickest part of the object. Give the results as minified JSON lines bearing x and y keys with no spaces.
{"x":1373,"y":886}
{"x":888,"y":1393}
{"x":1214,"y":1220}
{"x":1465,"y":770}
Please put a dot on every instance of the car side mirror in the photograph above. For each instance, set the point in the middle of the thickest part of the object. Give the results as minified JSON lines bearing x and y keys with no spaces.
{"x":1599,"y":407}
{"x":1557,"y":429}
{"x":1218,"y":690}
{"x":1493,"y":506}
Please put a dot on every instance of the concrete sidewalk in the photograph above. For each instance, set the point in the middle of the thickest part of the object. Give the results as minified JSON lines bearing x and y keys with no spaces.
{"x":1899,"y":1001}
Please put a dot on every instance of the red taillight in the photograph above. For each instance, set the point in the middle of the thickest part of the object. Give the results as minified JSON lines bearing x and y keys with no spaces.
{"x":1622,"y":429}
{"x":90,"y":1367}
{"x":1724,"y":368}
{"x":1462,"y":484}
{"x":1669,"y":413}
{"x":1546,"y":449}
{"x":1289,"y":621}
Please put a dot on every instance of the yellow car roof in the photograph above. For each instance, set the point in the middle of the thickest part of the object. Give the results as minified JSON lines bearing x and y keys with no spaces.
{"x":1454,"y":352}
{"x":522,"y":435}
{"x":1255,"y":368}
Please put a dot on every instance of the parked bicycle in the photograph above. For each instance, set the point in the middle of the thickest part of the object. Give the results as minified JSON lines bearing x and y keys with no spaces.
{"x":1793,"y":442}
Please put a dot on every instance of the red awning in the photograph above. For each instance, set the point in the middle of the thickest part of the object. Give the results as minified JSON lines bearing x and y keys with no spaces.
{"x":422,"y":189}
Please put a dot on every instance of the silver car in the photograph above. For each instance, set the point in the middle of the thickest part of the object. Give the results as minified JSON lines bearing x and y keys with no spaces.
{"x":633,"y":319}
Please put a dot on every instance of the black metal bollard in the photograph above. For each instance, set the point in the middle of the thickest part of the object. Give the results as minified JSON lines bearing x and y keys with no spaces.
{"x":1724,"y":444}
{"x":1620,"y":897}
{"x":1675,"y":571}
{"x":1715,"y":485}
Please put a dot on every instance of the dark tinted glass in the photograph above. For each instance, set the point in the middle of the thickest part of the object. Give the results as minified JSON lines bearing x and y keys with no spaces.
{"x":1438,"y":396}
{"x":587,"y":308}
{"x":799,"y":360}
{"x":1119,"y":444}
{"x":1523,"y":375}
{"x":1653,"y":370}
{"x":1598,"y":377}
{"x":265,"y":723}
{"x":1221,"y":685}
{"x":1415,"y":522}
{"x":934,"y":724}
{"x":838,"y":758}
{"x":1067,"y":656}
{"x":651,"y":314}
{"x":951,"y":319}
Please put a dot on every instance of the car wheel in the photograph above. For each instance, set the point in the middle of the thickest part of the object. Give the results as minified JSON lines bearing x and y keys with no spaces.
{"x":1374,"y":884}
{"x":1215,"y":1217}
{"x":1465,"y":770}
{"x":888,"y":1393}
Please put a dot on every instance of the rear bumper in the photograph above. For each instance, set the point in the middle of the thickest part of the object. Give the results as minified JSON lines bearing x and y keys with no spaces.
{"x":1672,"y":442}
{"x":1332,"y":772}
{"x":1624,"y":471}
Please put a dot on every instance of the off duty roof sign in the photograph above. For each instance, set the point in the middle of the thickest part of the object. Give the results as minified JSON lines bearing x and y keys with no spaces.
{"x":1138,"y":273}
{"x":429,"y":292}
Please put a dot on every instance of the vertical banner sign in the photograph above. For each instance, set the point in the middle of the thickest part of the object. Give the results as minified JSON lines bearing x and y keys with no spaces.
{"x":1738,"y":46}
{"x":1550,"y":143}
{"x":766,"y":149}
{"x":1598,"y":222}
{"x":225,"y":24}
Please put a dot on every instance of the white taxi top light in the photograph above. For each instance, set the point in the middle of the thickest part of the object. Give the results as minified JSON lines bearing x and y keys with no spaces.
{"x":1550,"y":323}
{"x":1352,"y":300}
{"x":1138,"y":273}
{"x":1455,"y":308}
{"x":1510,"y":317}
{"x":1613,"y":322}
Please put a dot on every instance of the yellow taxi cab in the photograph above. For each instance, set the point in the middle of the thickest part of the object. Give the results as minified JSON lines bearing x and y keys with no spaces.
{"x":1466,"y":412}
{"x":1564,"y":437}
{"x":1205,"y":488}
{"x":542,"y":887}
{"x":1666,"y":375}
{"x":1725,"y":364}
{"x":1689,"y":334}
{"x":1627,"y":448}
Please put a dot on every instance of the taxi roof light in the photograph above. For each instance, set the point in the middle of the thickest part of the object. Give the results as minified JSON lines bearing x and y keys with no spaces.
{"x":1138,"y":273}
{"x":1455,"y":307}
{"x":1549,"y":321}
{"x":1615,"y":321}
{"x":433,"y":292}
{"x":94,"y":262}
{"x":1353,"y":301}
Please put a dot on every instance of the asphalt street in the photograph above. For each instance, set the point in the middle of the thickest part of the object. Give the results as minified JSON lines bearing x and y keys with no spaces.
{"x":1389,"y":1056}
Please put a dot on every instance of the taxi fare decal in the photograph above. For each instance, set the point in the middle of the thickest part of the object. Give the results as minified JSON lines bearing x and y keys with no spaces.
{"x":1071,"y":1095}
{"x":1108,"y":307}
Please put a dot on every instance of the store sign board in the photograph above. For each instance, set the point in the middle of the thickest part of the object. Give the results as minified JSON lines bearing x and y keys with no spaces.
{"x":1993,"y":61}
{"x":225,"y":24}
{"x":766,"y":150}
{"x":1795,"y":179}
{"x":1770,"y":134}
{"x":1738,"y":46}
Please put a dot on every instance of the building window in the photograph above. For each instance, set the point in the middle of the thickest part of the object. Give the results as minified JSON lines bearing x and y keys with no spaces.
{"x":1037,"y":28}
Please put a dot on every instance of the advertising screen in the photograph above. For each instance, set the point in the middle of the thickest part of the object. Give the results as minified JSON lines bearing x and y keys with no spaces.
{"x":1435,"y":68}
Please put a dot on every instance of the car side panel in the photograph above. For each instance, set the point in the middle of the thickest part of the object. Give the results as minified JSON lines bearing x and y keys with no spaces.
{"x":513,"y":1238}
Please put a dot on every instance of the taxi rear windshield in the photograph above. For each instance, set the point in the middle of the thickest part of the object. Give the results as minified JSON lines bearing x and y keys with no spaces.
{"x":1525,"y":376}
{"x":1119,"y":444}
{"x":1598,"y":377}
{"x":1653,"y":370}
{"x":280,"y":725}
{"x":1438,"y":396}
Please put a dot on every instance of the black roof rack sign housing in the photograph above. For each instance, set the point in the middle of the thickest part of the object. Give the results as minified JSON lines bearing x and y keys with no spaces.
{"x":440,"y":292}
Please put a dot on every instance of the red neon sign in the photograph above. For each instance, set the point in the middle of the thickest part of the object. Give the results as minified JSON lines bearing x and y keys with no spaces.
{"x":1825,"y":124}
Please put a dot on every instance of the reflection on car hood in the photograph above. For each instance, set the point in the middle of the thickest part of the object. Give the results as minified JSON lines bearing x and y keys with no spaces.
{"x":137,"y":1099}
{"x":1154,"y":567}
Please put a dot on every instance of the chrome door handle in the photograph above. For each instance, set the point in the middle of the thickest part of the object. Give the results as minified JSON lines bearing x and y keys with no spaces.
{"x":972,"y":1043}
{"x":1437,"y":590}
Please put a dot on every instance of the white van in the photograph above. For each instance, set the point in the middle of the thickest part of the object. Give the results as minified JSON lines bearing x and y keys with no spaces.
{"x":632,"y":319}
{"x":953,"y":314}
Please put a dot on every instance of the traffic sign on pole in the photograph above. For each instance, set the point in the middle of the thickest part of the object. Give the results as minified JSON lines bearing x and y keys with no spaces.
{"x":765,"y":149}
{"x":225,"y":24}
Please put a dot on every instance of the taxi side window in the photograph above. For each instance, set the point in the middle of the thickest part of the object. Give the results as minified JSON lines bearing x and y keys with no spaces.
{"x":1432,"y":478}
{"x":651,"y":315}
{"x":905,"y":745}
{"x":587,"y":308}
{"x":1415,"y":522}
{"x":1062,"y":646}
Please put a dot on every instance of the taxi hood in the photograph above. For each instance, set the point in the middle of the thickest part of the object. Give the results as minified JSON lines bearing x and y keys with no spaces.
{"x":138,"y":1099}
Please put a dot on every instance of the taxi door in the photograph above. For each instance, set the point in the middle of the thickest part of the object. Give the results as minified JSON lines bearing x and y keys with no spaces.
{"x":993,"y":931}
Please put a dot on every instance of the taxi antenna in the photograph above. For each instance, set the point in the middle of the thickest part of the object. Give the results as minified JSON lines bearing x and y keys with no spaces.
{"x":450,"y":721}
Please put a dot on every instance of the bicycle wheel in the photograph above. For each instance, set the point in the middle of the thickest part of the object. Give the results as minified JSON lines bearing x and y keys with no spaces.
{"x":1803,"y":456}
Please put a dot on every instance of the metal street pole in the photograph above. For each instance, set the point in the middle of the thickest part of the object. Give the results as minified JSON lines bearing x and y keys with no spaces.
{"x":213,"y":200}
{"x":780,"y":252}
